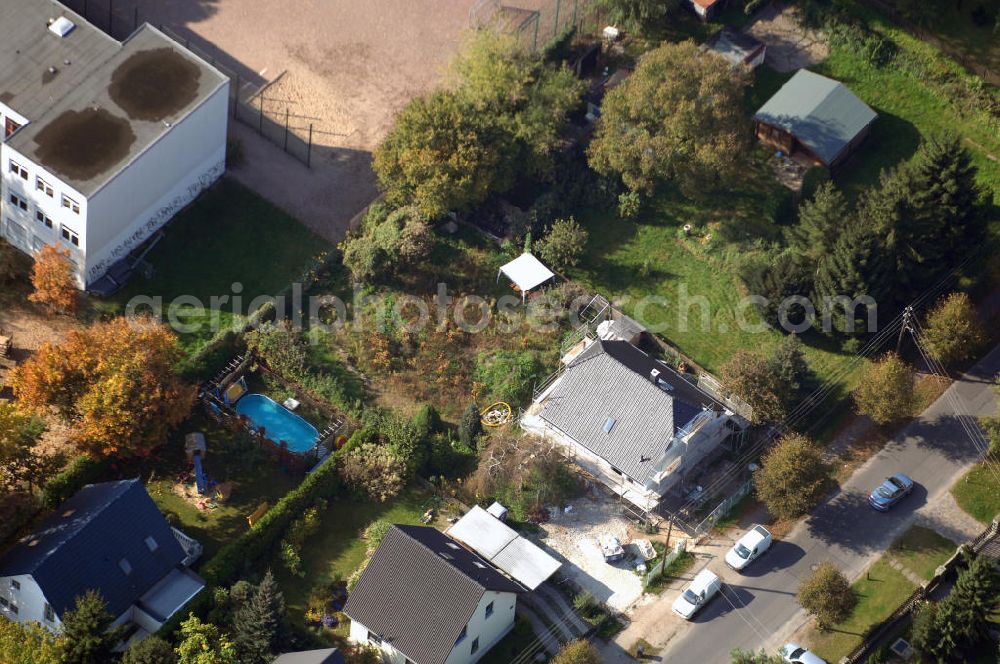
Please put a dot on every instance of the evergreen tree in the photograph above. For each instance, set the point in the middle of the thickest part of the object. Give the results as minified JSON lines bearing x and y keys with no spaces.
{"x":928,"y":210}
{"x":976,"y":596}
{"x":257,"y":623}
{"x":946,"y":200}
{"x":87,"y":634}
{"x":857,"y":267}
{"x":793,"y":373}
{"x":776,"y":279}
{"x":821,"y":221}
{"x":151,"y":650}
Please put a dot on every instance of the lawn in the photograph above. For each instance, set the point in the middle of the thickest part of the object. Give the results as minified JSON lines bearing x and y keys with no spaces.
{"x":968,"y":42}
{"x":255,"y":480}
{"x":910,"y":105}
{"x":228,"y":236}
{"x":338,"y":549}
{"x":978,"y":493}
{"x":635,"y":261}
{"x":922,"y":551}
{"x":880,"y":591}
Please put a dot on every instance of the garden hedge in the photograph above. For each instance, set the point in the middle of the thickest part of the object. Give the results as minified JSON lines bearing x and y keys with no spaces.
{"x":247,"y":553}
{"x":84,"y":470}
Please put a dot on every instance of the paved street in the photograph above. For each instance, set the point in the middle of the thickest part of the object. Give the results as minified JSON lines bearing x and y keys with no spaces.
{"x":759,"y":608}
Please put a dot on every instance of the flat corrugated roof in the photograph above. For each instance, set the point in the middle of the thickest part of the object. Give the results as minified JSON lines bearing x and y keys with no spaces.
{"x":504,"y":547}
{"x":91,"y":117}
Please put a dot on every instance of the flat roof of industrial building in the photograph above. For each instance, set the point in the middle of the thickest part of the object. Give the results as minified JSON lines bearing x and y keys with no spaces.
{"x":93,"y":104}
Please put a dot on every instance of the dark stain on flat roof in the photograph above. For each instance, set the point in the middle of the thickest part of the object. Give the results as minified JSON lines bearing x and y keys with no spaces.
{"x":6,"y":97}
{"x":151,"y":85}
{"x":83,"y":144}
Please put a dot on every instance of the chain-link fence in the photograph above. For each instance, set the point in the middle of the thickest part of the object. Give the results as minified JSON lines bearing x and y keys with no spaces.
{"x":534,"y":28}
{"x":248,"y":102}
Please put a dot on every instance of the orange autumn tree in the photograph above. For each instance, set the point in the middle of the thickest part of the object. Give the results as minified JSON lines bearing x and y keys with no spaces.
{"x":114,"y":382}
{"x":53,"y":280}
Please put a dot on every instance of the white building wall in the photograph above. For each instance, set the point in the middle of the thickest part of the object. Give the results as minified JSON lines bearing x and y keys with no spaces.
{"x":157,"y":184}
{"x":30,"y":234}
{"x":29,"y":599}
{"x":487,"y":630}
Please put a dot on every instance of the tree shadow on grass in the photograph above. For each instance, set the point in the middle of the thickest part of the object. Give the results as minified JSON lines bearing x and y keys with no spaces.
{"x":892,"y":141}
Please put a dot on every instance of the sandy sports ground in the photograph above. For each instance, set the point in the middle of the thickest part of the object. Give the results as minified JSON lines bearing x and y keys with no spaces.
{"x":346,"y":66}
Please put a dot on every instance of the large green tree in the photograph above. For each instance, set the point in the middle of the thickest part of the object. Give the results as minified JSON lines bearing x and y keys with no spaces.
{"x":19,"y":463}
{"x":929,"y":212}
{"x":792,"y":477}
{"x":679,"y":117}
{"x":87,"y":635}
{"x":256,"y":625}
{"x":827,"y":595}
{"x":822,"y":219}
{"x":957,"y":626}
{"x":885,"y":391}
{"x":563,"y":244}
{"x":772,"y":385}
{"x":502,"y":116}
{"x":953,"y":331}
{"x":203,"y":643}
{"x":387,"y":242}
{"x":777,"y":278}
{"x":854,"y":281}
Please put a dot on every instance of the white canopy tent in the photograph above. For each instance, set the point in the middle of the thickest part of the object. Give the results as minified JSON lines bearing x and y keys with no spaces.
{"x":527,"y":272}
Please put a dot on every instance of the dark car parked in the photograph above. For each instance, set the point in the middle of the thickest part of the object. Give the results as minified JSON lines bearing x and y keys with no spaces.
{"x":890,"y":492}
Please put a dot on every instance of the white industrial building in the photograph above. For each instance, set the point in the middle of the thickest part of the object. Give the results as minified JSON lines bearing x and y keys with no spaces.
{"x":104,"y":141}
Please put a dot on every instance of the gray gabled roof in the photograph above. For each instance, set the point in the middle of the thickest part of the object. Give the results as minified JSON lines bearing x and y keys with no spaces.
{"x":821,"y":113}
{"x":81,"y":545}
{"x":420,"y":589}
{"x":611,"y":380}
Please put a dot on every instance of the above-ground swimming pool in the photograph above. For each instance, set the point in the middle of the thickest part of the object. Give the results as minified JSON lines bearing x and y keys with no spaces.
{"x":280,"y":424}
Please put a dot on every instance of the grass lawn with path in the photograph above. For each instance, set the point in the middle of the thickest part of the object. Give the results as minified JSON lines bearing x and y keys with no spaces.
{"x":255,"y":480}
{"x":879,"y":592}
{"x":228,"y":235}
{"x":882,"y":589}
{"x":977,"y":493}
{"x":338,"y":549}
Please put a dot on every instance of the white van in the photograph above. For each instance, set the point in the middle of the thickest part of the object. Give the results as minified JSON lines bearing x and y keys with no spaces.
{"x":751,"y":546}
{"x":703,"y":587}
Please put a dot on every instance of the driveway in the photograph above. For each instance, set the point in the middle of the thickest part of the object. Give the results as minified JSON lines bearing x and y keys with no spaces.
{"x":759,"y":608}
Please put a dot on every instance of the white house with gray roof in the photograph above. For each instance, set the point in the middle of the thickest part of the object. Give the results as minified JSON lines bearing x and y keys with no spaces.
{"x":104,"y":141}
{"x":630,"y":420}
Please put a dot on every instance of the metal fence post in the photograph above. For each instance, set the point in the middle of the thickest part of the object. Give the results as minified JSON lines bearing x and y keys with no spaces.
{"x":575,"y":3}
{"x":534,"y":42}
{"x":236,"y":97}
{"x":286,"y":129}
{"x":309,"y":149}
{"x":555,"y":24}
{"x":260,"y":120}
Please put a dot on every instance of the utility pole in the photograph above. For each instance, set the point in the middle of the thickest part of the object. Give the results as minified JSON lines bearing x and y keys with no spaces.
{"x":907,"y":314}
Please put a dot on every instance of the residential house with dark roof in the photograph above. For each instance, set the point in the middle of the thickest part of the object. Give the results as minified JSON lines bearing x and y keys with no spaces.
{"x":630,"y":420}
{"x":816,"y":117}
{"x":108,"y":537}
{"x":426,"y":599}
{"x":104,"y":141}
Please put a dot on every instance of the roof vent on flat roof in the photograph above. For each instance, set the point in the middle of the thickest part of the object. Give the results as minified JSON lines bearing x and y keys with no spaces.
{"x":61,"y":27}
{"x":609,"y":424}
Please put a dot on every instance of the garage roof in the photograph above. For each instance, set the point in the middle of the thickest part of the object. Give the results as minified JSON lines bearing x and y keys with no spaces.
{"x":502,"y":546}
